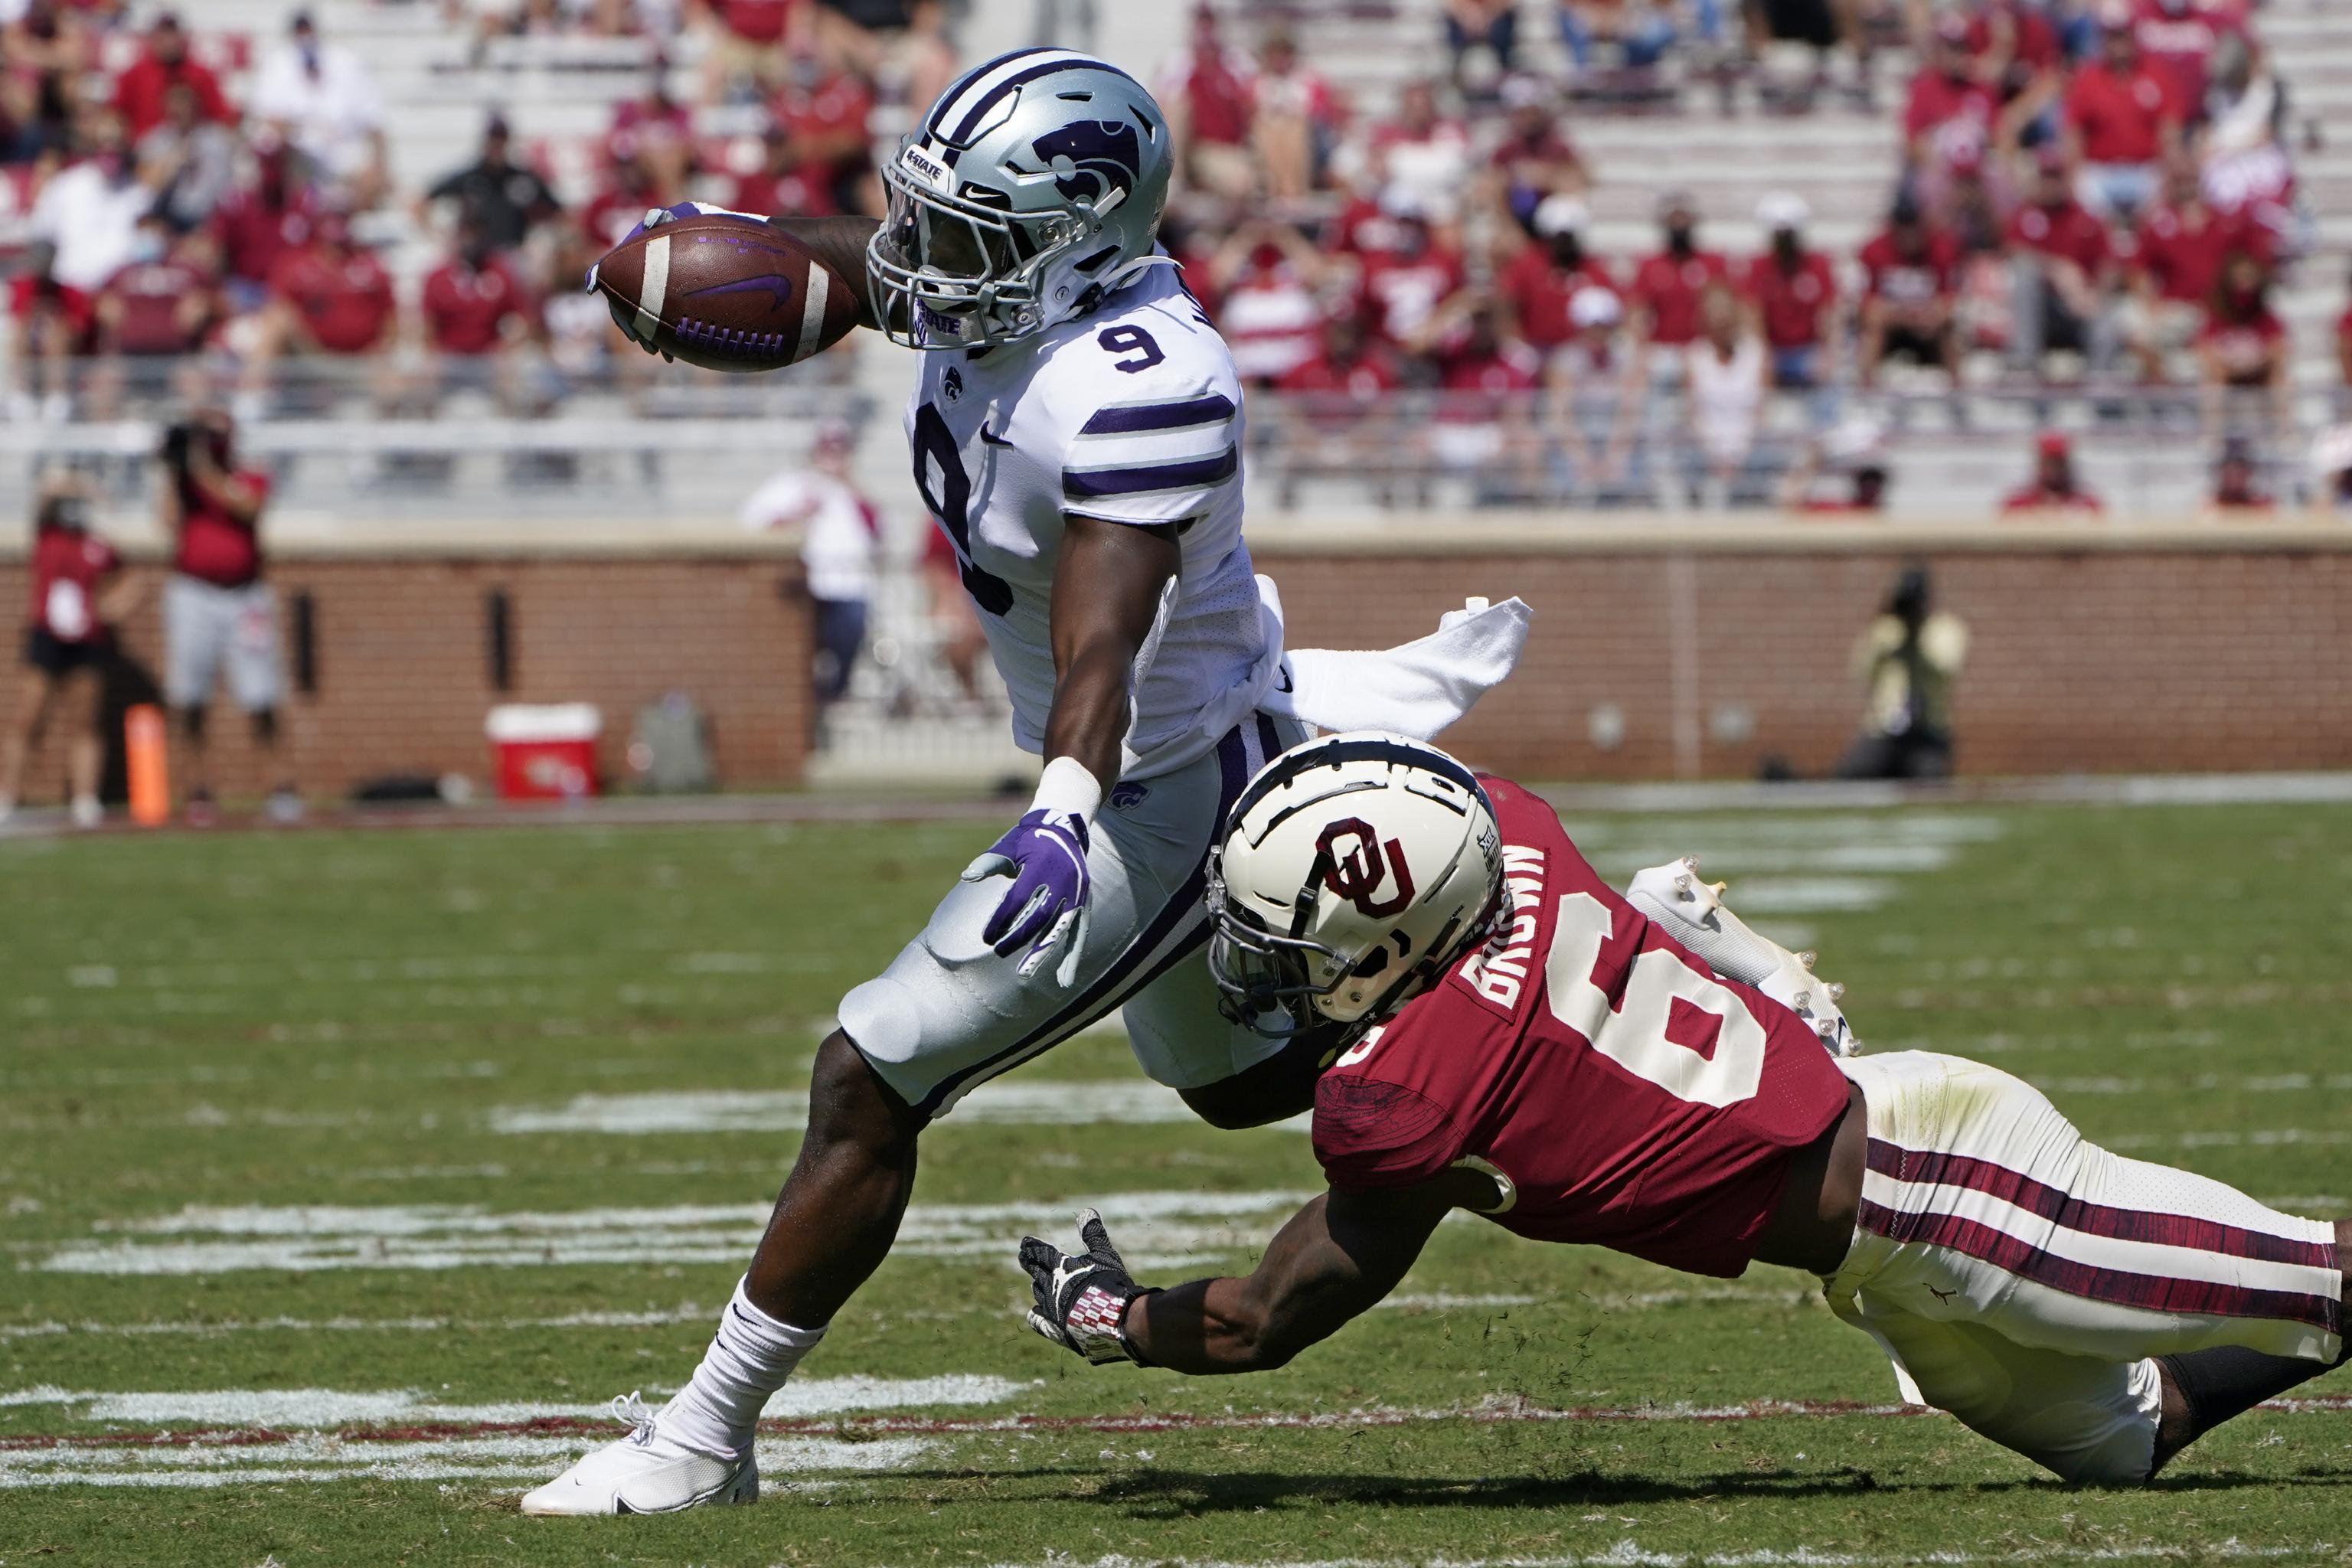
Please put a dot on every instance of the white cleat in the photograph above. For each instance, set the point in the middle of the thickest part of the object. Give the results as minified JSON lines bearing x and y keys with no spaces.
{"x":645,"y":1472}
{"x":1694,"y":913}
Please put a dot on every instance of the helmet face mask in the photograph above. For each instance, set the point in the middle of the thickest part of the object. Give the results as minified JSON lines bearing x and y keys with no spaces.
{"x":1034,"y":184}
{"x":1317,"y":913}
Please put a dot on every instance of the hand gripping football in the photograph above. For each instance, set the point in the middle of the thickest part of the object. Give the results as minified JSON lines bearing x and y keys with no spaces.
{"x":723,"y":290}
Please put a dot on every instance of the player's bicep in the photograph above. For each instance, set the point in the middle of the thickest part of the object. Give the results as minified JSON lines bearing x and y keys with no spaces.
{"x":1108,"y":582}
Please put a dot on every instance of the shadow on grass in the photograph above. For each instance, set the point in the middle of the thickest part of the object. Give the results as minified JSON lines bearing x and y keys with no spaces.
{"x":1162,"y":1493}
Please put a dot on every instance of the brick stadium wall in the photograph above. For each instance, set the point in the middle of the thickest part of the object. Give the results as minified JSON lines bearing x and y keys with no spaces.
{"x":2158,"y":650}
{"x":2164,"y":651}
{"x":404,"y":671}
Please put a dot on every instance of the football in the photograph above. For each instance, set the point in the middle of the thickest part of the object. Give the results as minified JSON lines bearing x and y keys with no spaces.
{"x":725,"y":291}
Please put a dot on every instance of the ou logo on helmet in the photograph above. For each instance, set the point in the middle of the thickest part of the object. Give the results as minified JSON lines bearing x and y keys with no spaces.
{"x":1355,"y":865}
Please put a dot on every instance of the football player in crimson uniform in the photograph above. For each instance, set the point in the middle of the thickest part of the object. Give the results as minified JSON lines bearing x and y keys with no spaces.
{"x":1630,"y":1072}
{"x":1076,"y":432}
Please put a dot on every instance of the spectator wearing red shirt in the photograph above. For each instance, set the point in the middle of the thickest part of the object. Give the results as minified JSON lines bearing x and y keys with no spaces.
{"x":1411,"y":273}
{"x":1541,"y":281}
{"x":2344,"y":353}
{"x":1793,"y":290}
{"x":1667,"y":286}
{"x":2060,"y":260}
{"x":743,"y":52}
{"x":1424,"y":156}
{"x":817,"y":161}
{"x":220,"y":614}
{"x":1534,"y":162}
{"x":258,"y":223}
{"x":2177,"y":37}
{"x":1343,"y":400}
{"x":138,"y":91}
{"x":628,"y":191}
{"x":1207,"y":96}
{"x":2244,"y":346}
{"x":151,"y":315}
{"x":69,"y":644}
{"x":1295,"y":118}
{"x":657,"y":131}
{"x":2122,"y":124}
{"x":1947,"y":92}
{"x":1485,"y":428}
{"x":2054,"y":487}
{"x":2176,"y":265}
{"x":1266,"y":278}
{"x":1911,"y":278}
{"x":473,"y":308}
{"x":330,"y":299}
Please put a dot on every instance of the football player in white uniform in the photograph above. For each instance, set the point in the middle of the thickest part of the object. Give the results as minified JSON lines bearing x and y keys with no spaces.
{"x":1077,"y":433}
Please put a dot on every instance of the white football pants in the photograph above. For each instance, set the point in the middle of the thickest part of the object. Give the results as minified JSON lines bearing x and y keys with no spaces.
{"x":2023,"y":1278}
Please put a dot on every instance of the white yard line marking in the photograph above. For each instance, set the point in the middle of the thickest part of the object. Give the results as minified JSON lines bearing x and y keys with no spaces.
{"x":329,"y":1458}
{"x":1160,"y":1229}
{"x":1018,"y":1101}
{"x":288,"y":1408}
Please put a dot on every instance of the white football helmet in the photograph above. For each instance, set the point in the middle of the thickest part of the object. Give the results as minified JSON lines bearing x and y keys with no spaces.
{"x":1032,"y":186}
{"x":1355,"y":870}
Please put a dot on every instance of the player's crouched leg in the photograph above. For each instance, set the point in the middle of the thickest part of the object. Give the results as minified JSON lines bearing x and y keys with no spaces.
{"x":2029,"y":1281}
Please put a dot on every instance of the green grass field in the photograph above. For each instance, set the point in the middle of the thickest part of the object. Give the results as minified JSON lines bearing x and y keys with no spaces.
{"x":346,"y":1174}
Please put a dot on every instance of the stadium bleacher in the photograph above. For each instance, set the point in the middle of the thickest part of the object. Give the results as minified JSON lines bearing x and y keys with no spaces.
{"x":1719,"y":137}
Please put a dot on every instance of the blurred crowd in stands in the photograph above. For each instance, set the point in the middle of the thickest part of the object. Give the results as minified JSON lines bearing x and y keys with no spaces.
{"x":2094,"y":196}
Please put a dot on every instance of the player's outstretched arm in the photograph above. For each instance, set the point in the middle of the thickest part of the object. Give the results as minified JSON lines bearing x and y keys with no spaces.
{"x":840,"y":243}
{"x":1337,"y":1258}
{"x":1108,"y":583}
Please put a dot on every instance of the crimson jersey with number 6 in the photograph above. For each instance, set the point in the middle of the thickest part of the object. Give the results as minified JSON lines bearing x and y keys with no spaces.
{"x":1629,"y":1097}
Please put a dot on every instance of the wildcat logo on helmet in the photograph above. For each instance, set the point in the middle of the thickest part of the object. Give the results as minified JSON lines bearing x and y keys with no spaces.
{"x":1359,"y":873}
{"x":1093,"y":158}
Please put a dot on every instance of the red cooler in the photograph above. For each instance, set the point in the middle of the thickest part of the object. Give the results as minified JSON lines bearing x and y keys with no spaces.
{"x":545,"y":751}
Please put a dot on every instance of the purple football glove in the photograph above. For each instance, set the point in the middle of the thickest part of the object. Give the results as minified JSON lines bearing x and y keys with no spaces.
{"x":1045,"y":853}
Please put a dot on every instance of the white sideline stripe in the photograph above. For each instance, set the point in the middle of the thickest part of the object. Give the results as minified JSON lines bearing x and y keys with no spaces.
{"x":654,"y":294}
{"x":329,"y":1407}
{"x":813,"y":302}
{"x":2254,"y":1138}
{"x":1024,"y":1102}
{"x":2113,"y":1252}
{"x":1157,"y":1229}
{"x":1629,"y":1553}
{"x":325,"y":1459}
{"x":689,"y":1313}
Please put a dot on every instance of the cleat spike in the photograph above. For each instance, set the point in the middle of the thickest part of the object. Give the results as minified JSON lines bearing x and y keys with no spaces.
{"x":1805,"y":960}
{"x":1683,"y":886}
{"x":1689,"y":862}
{"x":1837,"y":992}
{"x":1802,"y":1002}
{"x":1718,"y":890}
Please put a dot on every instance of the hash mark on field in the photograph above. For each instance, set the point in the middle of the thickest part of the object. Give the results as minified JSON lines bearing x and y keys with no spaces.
{"x":1164,"y":1230}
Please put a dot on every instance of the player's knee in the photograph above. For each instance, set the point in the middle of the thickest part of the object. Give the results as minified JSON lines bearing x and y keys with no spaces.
{"x":849,"y":1105}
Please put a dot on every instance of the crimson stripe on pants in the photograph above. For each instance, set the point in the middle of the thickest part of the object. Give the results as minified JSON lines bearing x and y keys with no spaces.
{"x":2117,"y":1287}
{"x":2063,"y":1208}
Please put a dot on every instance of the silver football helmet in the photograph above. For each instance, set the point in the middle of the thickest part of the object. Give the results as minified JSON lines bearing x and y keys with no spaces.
{"x":1034,"y":186}
{"x":1354,"y":871}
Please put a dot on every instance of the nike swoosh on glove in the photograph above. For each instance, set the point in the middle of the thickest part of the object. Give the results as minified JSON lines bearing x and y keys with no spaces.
{"x":1082,"y":1297}
{"x":1045,"y":853}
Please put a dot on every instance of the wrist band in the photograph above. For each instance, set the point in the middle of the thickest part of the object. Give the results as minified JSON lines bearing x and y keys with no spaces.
{"x":1070,"y":789}
{"x":1126,"y":1343}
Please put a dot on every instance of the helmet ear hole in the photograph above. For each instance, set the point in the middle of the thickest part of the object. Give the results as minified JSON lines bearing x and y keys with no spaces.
{"x":1372,"y":964}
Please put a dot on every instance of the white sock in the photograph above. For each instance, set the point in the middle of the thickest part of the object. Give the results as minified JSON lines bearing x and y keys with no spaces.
{"x":749,"y":1359}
